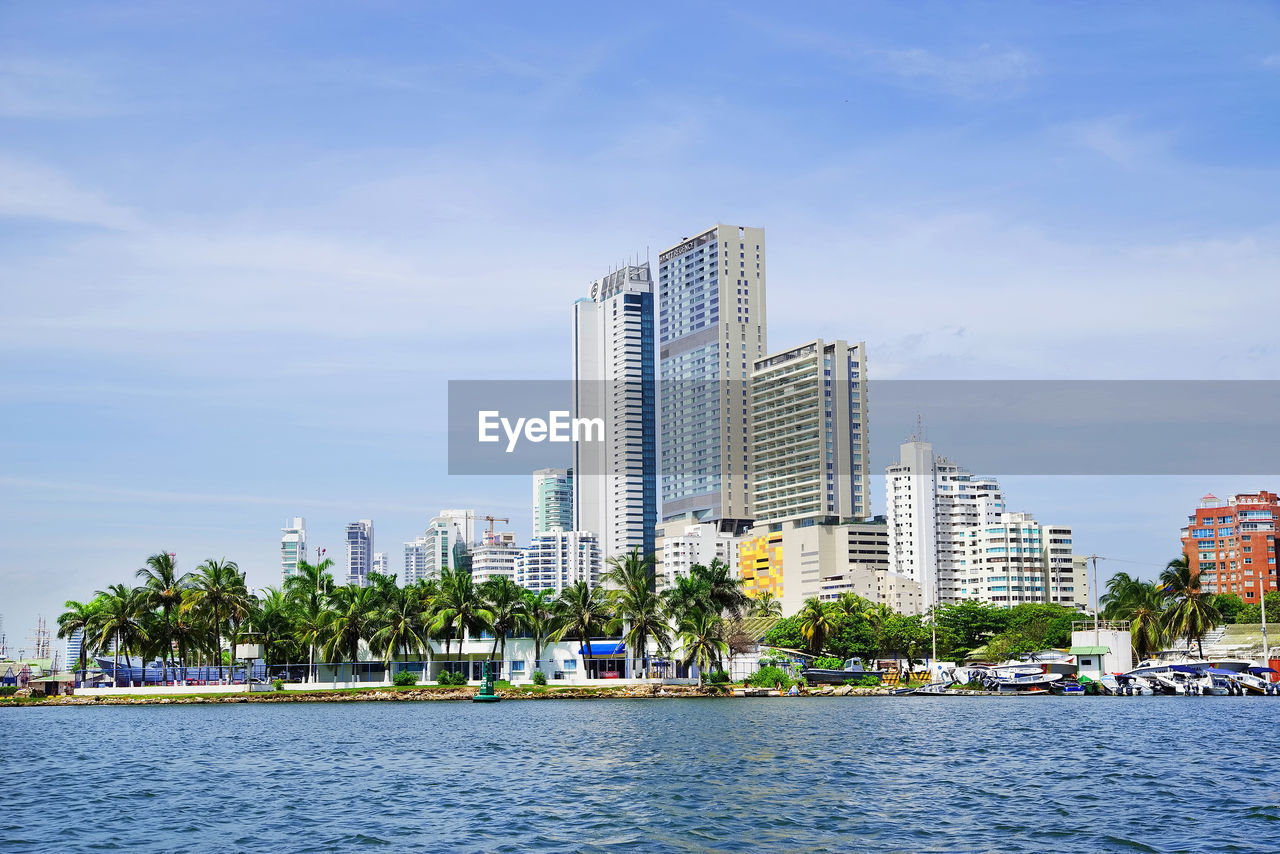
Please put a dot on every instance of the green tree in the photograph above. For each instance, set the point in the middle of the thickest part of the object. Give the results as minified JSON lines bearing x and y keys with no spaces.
{"x":270,"y":618}
{"x":504,"y":603}
{"x":217,"y":589}
{"x":637,"y":605}
{"x":1229,"y":605}
{"x":351,"y":618}
{"x":701,"y":640}
{"x":459,"y":607}
{"x":723,"y":590}
{"x":308,"y":591}
{"x":79,"y":617}
{"x":538,"y":619}
{"x":766,"y":605}
{"x":163,"y":586}
{"x":1191,"y":613}
{"x":970,"y":624}
{"x":815,"y":625}
{"x":1143,"y":605}
{"x":399,"y":626}
{"x":118,"y":622}
{"x":583,"y":611}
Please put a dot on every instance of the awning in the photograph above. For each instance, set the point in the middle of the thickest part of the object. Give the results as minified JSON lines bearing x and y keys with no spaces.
{"x":604,"y":648}
{"x":1261,"y":670}
{"x":1089,"y":650}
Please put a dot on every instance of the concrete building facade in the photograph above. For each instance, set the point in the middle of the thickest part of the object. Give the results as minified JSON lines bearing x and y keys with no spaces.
{"x":711,"y":330}
{"x":1231,"y":545}
{"x":293,"y":546}
{"x":359,"y":552}
{"x":558,"y":559}
{"x":552,"y":500}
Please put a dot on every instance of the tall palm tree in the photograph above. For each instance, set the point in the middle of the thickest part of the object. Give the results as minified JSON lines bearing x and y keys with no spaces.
{"x":724,"y":591}
{"x":164,"y":586}
{"x":689,"y":593}
{"x":458,"y":607}
{"x":539,"y":619}
{"x":79,"y":617}
{"x":269,"y":618}
{"x":583,"y":611}
{"x":400,"y":625}
{"x":632,"y":583}
{"x":1191,"y":612}
{"x":310,"y":618}
{"x":848,"y":605}
{"x":767,"y":605}
{"x":815,"y":624}
{"x":700,"y":637}
{"x":217,"y":589}
{"x":117,"y":624}
{"x":350,"y":618}
{"x":308,"y":589}
{"x":502,"y":599}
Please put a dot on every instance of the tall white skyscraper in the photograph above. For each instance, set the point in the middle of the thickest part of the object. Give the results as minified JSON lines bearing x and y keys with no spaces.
{"x":552,"y":500}
{"x":382,"y":564}
{"x":359,"y":552}
{"x":711,"y":295}
{"x":809,"y":418}
{"x":615,"y":480}
{"x":932,"y":503}
{"x":443,"y":546}
{"x":293,"y":546}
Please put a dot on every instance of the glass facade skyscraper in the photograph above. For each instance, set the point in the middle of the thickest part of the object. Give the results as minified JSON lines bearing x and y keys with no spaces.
{"x":711,"y":297}
{"x":615,"y":481}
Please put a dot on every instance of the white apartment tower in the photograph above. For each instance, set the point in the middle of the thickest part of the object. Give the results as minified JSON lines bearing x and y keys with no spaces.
{"x":552,"y":500}
{"x":711,"y":331}
{"x":382,"y":564}
{"x":556,"y":560}
{"x":495,"y":557}
{"x":809,"y":423}
{"x":293,"y":546}
{"x":1019,"y":560}
{"x":931,"y":503}
{"x":442,"y":547}
{"x":359,"y":552}
{"x":615,"y":476}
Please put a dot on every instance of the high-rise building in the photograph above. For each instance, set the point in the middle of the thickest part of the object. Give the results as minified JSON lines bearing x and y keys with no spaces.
{"x":1231,"y":545}
{"x":809,"y":424}
{"x":556,"y":560}
{"x":681,"y":546}
{"x":711,"y":294}
{"x":932,"y":502}
{"x":359,"y":552}
{"x":465,"y":522}
{"x":443,"y":546}
{"x":552,"y":500}
{"x":382,"y":564}
{"x":1019,"y":560}
{"x":495,"y":557}
{"x":71,"y":652}
{"x":293,"y":546}
{"x":615,"y":477}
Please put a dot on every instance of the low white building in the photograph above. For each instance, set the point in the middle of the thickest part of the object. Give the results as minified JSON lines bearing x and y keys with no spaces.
{"x":682,"y":545}
{"x":1018,"y":560}
{"x":495,"y":557}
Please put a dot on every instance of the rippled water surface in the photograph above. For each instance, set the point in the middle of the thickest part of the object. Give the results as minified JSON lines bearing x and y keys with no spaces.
{"x":837,"y":774}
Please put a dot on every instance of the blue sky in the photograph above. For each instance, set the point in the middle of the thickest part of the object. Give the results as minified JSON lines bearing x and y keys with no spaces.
{"x":245,"y":246}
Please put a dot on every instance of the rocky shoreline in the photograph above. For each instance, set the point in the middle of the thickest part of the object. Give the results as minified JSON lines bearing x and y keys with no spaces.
{"x":656,"y":691}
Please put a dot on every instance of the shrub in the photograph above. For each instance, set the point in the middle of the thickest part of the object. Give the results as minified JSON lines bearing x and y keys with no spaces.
{"x":827,"y":662}
{"x":277,"y":684}
{"x":405,"y":678}
{"x":539,"y":678}
{"x":718,"y":677}
{"x":447,"y":678}
{"x":770,"y":677}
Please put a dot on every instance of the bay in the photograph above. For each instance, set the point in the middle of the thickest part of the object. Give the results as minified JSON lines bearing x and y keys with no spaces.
{"x":808,"y":774}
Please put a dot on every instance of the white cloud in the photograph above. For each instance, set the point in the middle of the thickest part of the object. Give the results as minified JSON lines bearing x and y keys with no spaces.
{"x":984,"y":70}
{"x":33,"y":190}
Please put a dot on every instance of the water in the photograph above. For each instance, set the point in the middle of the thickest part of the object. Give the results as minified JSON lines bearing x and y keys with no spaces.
{"x":838,"y":774}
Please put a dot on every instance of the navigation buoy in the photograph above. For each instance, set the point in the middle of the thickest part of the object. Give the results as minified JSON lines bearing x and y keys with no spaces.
{"x":486,"y":693}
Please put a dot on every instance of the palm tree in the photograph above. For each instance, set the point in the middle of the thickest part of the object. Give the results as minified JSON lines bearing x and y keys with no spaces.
{"x":458,"y":607}
{"x":79,"y":617}
{"x":701,"y":640}
{"x":217,"y":589}
{"x":815,"y":624}
{"x":307,"y":589}
{"x":767,"y":605}
{"x":539,"y":619}
{"x":637,"y":605}
{"x":269,"y":618}
{"x":583,"y":611}
{"x":724,"y":591}
{"x":502,"y":599}
{"x":164,"y":586}
{"x":400,"y":625}
{"x":849,"y":605}
{"x":689,"y":593}
{"x":310,"y":617}
{"x":350,"y":618}
{"x":117,"y":623}
{"x":1191,"y":613}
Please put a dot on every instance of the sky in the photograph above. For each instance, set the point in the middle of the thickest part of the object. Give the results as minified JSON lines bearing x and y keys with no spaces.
{"x":245,"y":246}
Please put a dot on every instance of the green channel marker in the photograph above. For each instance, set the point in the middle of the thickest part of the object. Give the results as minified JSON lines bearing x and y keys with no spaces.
{"x":486,"y":693}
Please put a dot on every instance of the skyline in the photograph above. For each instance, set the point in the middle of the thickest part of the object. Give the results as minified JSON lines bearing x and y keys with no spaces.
{"x":961,"y":192}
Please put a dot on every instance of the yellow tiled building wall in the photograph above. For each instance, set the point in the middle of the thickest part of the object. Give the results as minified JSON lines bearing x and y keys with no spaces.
{"x":760,"y":565}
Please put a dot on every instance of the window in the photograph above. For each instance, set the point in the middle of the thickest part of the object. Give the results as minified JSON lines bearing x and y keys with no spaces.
{"x":570,"y":664}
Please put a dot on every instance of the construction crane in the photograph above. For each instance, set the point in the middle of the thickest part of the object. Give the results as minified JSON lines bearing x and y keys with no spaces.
{"x":492,"y":519}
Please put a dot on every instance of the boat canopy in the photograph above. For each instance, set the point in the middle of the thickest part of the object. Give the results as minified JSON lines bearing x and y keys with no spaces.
{"x":1259,"y":670}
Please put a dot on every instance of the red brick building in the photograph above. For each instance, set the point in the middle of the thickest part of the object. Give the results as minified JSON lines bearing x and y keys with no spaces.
{"x":1232,"y":544}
